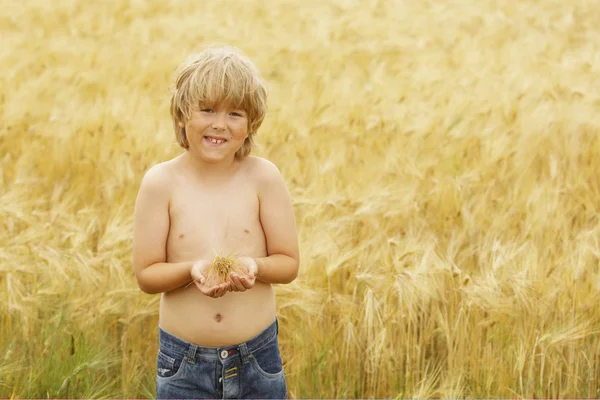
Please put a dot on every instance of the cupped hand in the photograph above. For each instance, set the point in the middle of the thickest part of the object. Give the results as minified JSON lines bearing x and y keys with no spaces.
{"x":199,"y":270}
{"x":244,"y":281}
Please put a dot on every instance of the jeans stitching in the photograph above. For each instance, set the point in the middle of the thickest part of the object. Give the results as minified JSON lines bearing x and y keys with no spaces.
{"x":264,"y":343}
{"x":269,"y":375}
{"x":176,"y":374}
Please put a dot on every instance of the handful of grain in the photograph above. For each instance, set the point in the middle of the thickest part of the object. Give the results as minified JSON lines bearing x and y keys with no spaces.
{"x":220,"y":269}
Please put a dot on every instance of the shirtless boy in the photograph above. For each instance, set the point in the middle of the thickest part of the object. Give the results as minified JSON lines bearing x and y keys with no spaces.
{"x":216,"y":341}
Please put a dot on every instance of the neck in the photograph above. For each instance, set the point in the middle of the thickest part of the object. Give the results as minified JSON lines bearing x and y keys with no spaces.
{"x":218,"y":170}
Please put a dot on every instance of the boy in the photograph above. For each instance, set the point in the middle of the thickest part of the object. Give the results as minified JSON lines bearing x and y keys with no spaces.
{"x":216,"y":341}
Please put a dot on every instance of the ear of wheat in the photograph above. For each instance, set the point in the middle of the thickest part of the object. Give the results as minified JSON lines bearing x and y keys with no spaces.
{"x":221,"y":269}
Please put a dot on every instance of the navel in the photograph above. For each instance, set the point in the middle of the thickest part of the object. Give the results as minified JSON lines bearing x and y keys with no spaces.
{"x":218,"y":317}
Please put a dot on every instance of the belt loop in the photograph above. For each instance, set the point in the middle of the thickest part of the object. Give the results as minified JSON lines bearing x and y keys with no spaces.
{"x":191,"y":355}
{"x":244,"y":353}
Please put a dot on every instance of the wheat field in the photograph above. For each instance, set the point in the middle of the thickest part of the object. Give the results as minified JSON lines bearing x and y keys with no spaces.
{"x":443,"y":158}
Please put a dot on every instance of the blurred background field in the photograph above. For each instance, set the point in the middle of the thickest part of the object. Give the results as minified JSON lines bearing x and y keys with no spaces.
{"x":443,"y":157}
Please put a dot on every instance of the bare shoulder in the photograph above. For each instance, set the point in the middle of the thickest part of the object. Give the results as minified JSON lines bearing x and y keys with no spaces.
{"x":262,"y":170}
{"x":159,"y":176}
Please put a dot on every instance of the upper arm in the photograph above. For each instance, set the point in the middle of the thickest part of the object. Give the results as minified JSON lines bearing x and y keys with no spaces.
{"x":151,"y":219}
{"x":277,"y":213}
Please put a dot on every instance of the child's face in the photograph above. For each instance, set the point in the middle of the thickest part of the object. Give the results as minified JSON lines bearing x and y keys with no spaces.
{"x":216,"y":133}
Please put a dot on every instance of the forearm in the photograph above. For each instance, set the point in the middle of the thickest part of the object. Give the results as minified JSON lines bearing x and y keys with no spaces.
{"x":163,"y":277}
{"x":277,"y":268}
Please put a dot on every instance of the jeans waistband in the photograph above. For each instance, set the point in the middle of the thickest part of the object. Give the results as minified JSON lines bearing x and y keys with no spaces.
{"x":178,"y":345}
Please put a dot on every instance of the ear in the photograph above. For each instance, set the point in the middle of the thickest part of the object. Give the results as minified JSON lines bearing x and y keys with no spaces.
{"x":181,"y":124}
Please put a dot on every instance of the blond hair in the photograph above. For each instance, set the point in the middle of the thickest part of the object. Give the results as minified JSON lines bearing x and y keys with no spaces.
{"x":219,"y":75}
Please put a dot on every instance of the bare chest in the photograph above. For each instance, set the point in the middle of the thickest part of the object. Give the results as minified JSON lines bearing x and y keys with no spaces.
{"x":206,"y":222}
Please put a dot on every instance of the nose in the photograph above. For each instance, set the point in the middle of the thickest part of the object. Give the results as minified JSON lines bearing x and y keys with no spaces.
{"x":219,"y":121}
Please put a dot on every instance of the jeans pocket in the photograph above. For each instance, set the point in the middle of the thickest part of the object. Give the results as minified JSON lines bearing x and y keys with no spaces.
{"x":168,"y":366}
{"x":267,"y":360}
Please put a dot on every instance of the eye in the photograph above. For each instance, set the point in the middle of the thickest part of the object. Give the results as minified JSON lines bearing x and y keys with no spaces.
{"x":207,"y":110}
{"x":237,"y":114}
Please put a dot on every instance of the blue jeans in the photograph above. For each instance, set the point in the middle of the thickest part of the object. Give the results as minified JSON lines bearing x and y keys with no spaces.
{"x":249,"y":370}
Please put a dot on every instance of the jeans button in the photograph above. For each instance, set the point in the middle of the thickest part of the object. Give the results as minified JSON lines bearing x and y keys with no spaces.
{"x":224,"y":354}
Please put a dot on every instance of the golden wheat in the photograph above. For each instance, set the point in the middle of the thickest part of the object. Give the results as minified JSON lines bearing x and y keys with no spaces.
{"x":220,"y":270}
{"x":443,"y":158}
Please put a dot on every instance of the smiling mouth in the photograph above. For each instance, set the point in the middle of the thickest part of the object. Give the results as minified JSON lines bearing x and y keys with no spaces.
{"x":215,"y":141}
